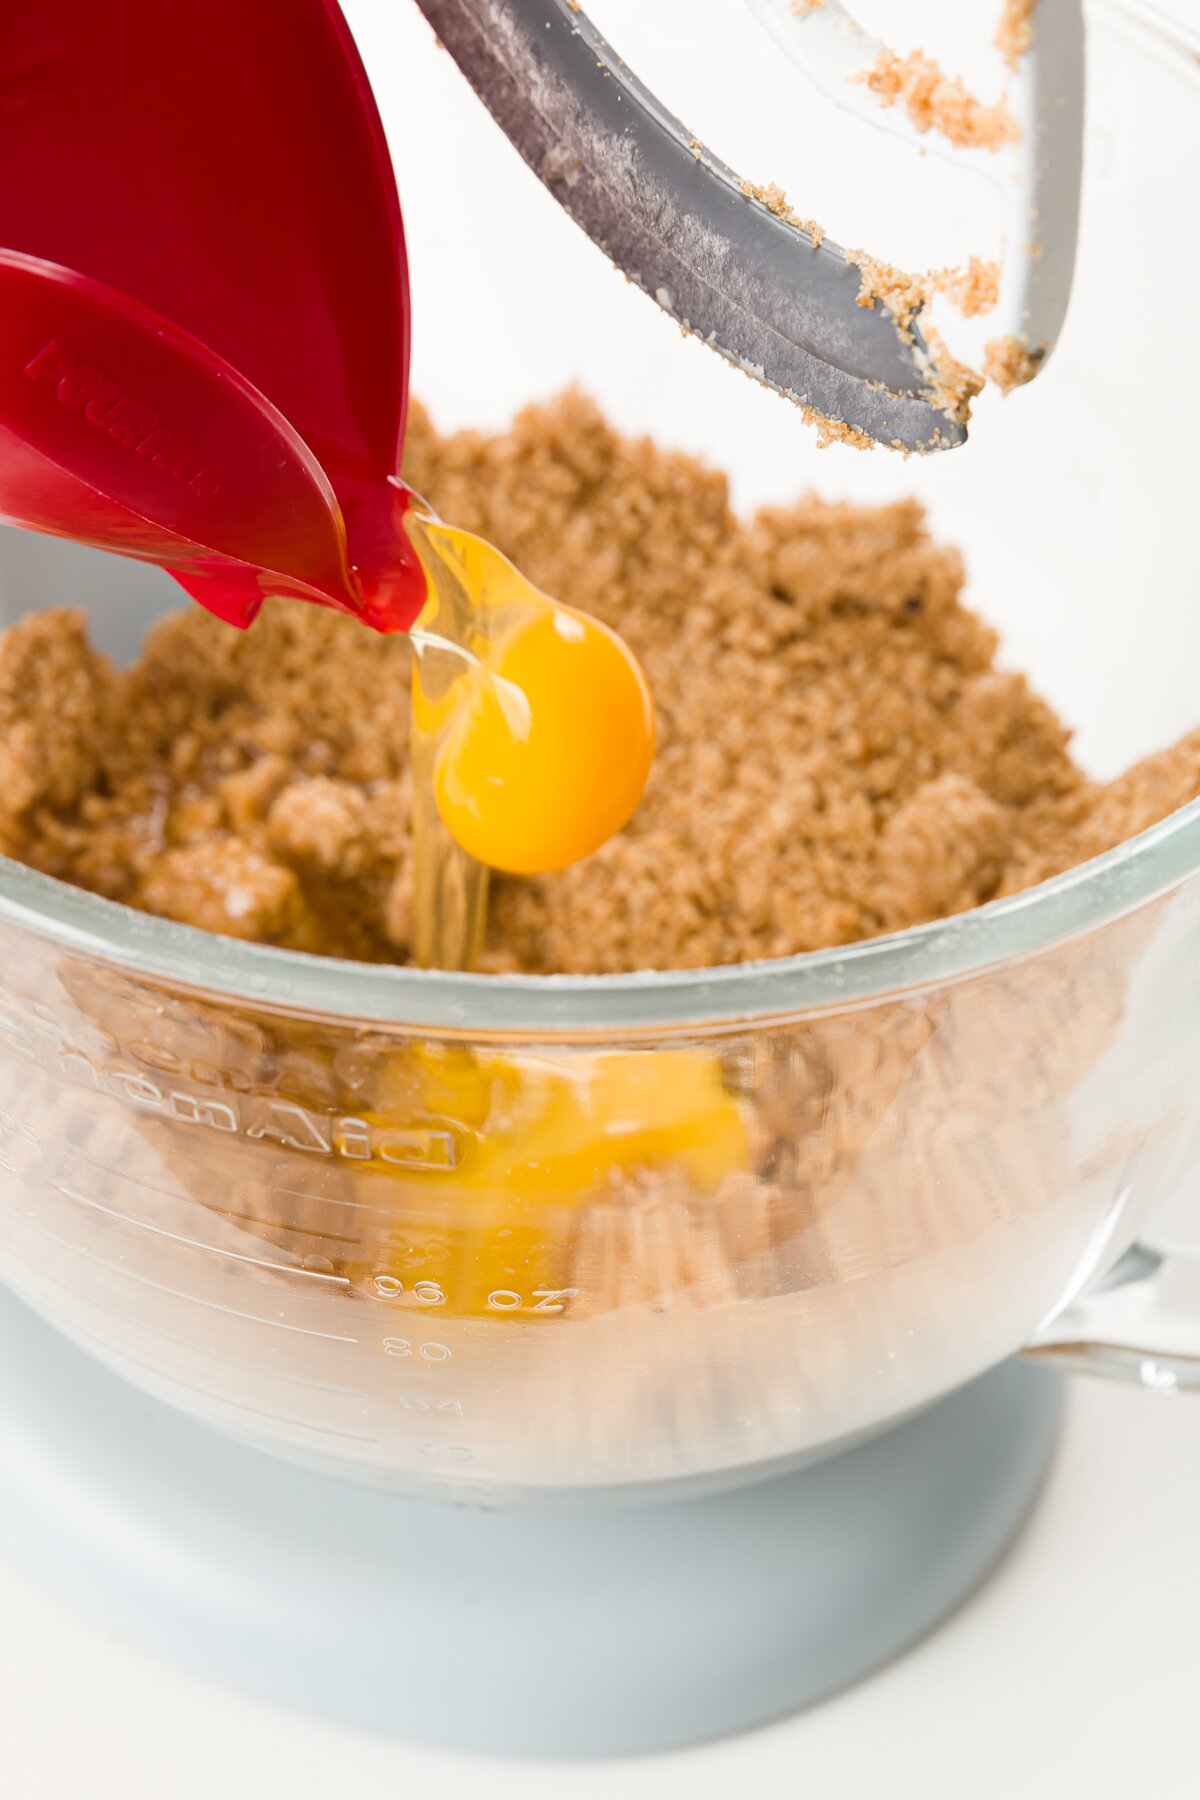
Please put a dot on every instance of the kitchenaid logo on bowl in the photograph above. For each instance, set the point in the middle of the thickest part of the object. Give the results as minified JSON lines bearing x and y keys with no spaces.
{"x":150,"y":1079}
{"x":120,"y":415}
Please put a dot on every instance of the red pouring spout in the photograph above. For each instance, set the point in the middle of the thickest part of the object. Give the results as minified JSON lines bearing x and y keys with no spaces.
{"x":204,"y":322}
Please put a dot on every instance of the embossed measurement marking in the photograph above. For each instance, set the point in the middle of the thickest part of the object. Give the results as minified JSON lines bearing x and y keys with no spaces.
{"x":433,"y":1293}
{"x":193,"y":1346}
{"x":425,"y":1293}
{"x":178,"y":1198}
{"x":545,"y":1300}
{"x":251,"y":1368}
{"x":258,"y":1262}
{"x":258,"y":1412}
{"x":293,"y":1230}
{"x":403,"y":1347}
{"x":338,"y":1337}
{"x":341,"y":1201}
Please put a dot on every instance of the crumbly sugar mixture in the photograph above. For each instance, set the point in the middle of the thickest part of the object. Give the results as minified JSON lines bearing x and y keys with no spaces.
{"x":1014,"y":34}
{"x":1009,"y":364}
{"x":935,"y":101}
{"x":973,"y":288}
{"x":839,"y":754}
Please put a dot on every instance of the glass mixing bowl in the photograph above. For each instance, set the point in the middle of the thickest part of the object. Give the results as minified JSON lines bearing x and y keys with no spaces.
{"x":503,"y":1237}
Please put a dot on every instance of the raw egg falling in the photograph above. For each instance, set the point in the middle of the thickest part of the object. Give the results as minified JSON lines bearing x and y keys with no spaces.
{"x":546,"y":736}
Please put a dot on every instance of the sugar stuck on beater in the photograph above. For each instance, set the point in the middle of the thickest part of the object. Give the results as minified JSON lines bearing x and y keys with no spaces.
{"x":838,"y":754}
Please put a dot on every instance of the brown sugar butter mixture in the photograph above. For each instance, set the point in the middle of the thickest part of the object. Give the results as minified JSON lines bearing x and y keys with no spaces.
{"x":838,"y":756}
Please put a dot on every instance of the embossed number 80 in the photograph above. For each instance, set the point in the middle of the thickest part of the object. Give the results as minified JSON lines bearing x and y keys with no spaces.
{"x":398,"y":1346}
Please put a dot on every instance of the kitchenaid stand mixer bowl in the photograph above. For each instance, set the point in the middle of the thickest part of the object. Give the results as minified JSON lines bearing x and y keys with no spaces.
{"x":248,"y":1182}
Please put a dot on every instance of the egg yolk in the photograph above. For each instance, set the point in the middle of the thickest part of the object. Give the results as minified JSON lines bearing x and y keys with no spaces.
{"x":539,"y":773}
{"x":495,"y":1234}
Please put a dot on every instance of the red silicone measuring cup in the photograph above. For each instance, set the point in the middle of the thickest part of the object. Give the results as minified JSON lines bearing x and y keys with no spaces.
{"x":204,"y":322}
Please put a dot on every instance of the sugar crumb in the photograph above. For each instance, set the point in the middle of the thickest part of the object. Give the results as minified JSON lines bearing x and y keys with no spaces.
{"x":934,"y":101}
{"x":1014,"y":34}
{"x":973,"y":288}
{"x":955,"y":384}
{"x":1009,"y":364}
{"x":772,"y":196}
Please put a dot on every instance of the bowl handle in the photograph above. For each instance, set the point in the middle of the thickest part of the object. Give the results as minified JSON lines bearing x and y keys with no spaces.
{"x":1141,"y":1323}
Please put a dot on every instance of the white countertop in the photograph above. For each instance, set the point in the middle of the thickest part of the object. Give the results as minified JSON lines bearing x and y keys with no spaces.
{"x":1072,"y":1672}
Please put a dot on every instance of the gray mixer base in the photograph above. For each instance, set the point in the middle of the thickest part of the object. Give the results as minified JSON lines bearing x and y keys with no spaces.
{"x":554,"y":1633}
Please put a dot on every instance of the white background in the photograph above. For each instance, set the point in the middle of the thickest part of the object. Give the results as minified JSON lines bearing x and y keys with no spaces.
{"x":1073,"y":1672}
